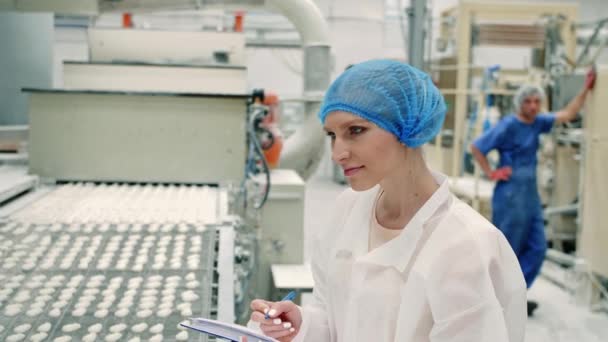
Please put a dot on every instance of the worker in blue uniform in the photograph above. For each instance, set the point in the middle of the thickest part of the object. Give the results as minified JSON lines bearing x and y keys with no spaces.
{"x":516,"y":205}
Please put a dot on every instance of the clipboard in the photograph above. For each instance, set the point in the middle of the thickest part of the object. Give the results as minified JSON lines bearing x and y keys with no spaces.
{"x":227,"y":331}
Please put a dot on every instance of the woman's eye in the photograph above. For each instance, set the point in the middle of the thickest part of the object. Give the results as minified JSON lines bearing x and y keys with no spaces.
{"x":356,"y":130}
{"x":331,"y":135}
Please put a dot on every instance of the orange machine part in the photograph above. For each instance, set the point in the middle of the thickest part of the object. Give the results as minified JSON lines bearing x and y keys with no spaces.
{"x":271,"y":122}
{"x":238,"y":21}
{"x":127,"y":20}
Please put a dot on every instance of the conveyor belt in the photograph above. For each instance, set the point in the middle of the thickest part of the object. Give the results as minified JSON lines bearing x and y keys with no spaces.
{"x":109,"y":262}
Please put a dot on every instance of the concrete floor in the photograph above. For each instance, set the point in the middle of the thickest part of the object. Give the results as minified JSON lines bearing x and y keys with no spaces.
{"x":558,"y":318}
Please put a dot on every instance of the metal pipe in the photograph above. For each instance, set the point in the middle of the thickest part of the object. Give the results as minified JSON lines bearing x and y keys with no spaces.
{"x":596,"y":31}
{"x":561,"y":257}
{"x":590,"y":23}
{"x":416,"y":13}
{"x":570,"y":209}
{"x":302,"y":151}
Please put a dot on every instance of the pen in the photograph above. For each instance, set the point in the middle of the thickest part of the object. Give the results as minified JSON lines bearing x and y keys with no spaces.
{"x":290,"y":296}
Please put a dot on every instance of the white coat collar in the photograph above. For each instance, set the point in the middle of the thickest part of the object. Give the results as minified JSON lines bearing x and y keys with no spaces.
{"x":354,"y":239}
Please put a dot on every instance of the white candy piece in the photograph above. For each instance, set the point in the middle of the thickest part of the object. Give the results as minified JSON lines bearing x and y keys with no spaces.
{"x":60,"y":304}
{"x":118,"y":328}
{"x":39,"y":337}
{"x":148,"y":299}
{"x":182,"y":306}
{"x":91,"y":292}
{"x":177,"y":279}
{"x":156,"y":338}
{"x":96,"y":328}
{"x":150,"y":292}
{"x":131,"y":292}
{"x":192,"y":284}
{"x":82,"y":305}
{"x":168,"y":291}
{"x":12,"y":310}
{"x":104,"y":305}
{"x":164,"y":312}
{"x":165,"y":305}
{"x":46,"y":327}
{"x":70,"y":327}
{"x":101,"y":313}
{"x":15,"y":338}
{"x":182,"y":336}
{"x":91,"y":337}
{"x":122,"y":312}
{"x":23,"y":328}
{"x":34,"y":312}
{"x":157,"y":329}
{"x":147,"y":305}
{"x":79,"y":312}
{"x":144,"y":313}
{"x":135,"y":339}
{"x":47,"y":291}
{"x":63,"y":339}
{"x":138,"y":328}
{"x":55,"y":313}
{"x":186,"y":312}
{"x":189,"y":296}
{"x":113,"y":337}
{"x":38,"y":305}
{"x":168,"y":298}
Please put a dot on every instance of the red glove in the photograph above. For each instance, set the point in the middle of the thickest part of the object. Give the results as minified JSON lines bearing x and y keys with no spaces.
{"x":590,"y":80}
{"x":503,"y":174}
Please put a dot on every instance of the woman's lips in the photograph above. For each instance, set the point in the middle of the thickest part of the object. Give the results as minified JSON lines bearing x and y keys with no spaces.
{"x":352,"y":171}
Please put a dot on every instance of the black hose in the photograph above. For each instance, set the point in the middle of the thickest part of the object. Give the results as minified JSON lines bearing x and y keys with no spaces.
{"x":258,"y":149}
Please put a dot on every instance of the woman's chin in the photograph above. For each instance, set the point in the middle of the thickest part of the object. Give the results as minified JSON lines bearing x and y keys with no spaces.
{"x":360,"y":184}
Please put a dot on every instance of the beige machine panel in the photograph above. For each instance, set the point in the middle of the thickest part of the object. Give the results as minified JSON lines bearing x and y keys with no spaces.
{"x":166,"y":47}
{"x":137,"y":137}
{"x":281,"y":227}
{"x":146,"y":77}
{"x":594,"y":234}
{"x":83,"y":7}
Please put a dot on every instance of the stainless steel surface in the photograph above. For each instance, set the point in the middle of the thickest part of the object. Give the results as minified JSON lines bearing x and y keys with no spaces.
{"x":15,"y":180}
{"x":225,"y":267}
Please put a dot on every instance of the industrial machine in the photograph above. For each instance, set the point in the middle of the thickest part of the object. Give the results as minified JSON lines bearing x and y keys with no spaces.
{"x":134,"y":227}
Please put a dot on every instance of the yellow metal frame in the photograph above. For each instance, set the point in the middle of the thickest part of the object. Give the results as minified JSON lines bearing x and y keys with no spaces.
{"x":469,"y":10}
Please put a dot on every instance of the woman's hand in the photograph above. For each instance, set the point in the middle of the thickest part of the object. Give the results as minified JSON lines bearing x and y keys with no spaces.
{"x":590,"y":79}
{"x":284,"y":322}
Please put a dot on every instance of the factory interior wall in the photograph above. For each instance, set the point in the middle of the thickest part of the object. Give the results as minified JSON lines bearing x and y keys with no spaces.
{"x":26,"y":55}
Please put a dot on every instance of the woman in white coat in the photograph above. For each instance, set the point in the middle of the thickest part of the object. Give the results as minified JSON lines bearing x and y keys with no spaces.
{"x":403,"y":260}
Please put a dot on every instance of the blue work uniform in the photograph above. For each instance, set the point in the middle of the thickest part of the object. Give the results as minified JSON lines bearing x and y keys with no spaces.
{"x":516,"y":205}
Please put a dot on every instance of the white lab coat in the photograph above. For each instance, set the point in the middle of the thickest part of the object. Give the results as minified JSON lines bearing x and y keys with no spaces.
{"x":449,"y":276}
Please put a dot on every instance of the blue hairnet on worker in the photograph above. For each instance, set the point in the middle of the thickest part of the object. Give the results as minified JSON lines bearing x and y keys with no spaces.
{"x":402,"y":259}
{"x":516,"y":204}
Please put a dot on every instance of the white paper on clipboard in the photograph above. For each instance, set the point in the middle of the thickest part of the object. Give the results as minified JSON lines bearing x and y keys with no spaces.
{"x":231,"y":332}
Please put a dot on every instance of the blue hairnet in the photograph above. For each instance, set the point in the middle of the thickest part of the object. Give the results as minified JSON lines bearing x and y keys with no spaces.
{"x":525,"y":91}
{"x":395,"y":96}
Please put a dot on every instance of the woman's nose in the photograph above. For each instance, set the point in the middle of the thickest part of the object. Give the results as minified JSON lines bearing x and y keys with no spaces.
{"x":339,"y":153}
